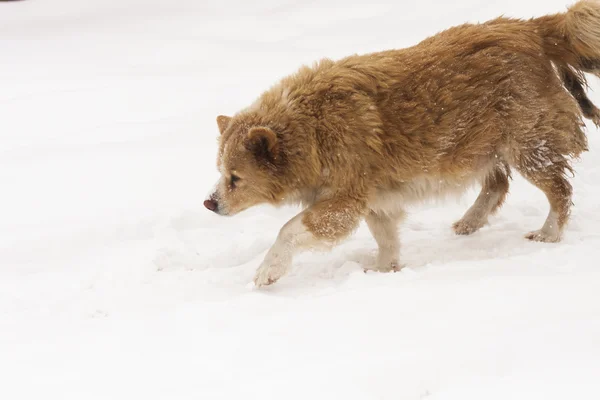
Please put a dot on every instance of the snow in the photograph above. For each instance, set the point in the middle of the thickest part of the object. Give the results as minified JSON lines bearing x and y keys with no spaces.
{"x":115,"y":283}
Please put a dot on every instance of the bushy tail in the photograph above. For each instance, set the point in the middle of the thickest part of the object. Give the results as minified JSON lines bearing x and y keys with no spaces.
{"x":572,"y":42}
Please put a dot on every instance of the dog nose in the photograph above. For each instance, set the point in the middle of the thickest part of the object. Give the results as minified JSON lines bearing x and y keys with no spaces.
{"x":211,"y":205}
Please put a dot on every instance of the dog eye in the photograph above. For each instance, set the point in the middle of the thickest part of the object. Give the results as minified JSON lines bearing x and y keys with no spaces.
{"x":234,"y":179}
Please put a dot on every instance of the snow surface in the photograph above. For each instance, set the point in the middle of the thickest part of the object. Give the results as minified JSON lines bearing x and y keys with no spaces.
{"x":115,"y":283}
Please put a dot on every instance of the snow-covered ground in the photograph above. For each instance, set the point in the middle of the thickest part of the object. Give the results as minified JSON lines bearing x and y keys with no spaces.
{"x":115,"y":283}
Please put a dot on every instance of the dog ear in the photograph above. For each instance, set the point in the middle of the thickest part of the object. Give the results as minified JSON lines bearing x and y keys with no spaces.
{"x":263,"y":142}
{"x":223,"y":123}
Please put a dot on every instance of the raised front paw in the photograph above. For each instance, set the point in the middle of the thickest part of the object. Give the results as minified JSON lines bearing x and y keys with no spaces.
{"x":270,"y":271}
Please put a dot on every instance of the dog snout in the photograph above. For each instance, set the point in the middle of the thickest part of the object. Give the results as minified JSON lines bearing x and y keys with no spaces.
{"x":211,"y":205}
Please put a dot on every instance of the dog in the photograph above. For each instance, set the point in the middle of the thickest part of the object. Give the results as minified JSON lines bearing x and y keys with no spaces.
{"x":364,"y":136}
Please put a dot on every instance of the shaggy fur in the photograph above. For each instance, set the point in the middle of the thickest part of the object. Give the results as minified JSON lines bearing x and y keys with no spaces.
{"x":362,"y":137}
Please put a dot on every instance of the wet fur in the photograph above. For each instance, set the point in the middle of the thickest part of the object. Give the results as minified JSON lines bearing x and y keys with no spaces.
{"x":362,"y":137}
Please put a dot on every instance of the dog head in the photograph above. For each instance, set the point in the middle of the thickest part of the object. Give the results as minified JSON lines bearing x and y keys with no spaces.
{"x":250,"y":161}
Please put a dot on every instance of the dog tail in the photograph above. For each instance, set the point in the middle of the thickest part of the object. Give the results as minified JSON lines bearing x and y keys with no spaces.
{"x":572,"y":42}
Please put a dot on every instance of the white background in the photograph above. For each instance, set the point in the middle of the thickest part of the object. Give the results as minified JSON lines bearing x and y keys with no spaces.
{"x":115,"y":283}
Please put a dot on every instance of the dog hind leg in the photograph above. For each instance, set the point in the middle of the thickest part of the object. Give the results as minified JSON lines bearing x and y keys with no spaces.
{"x":558,"y":190}
{"x":490,"y":199}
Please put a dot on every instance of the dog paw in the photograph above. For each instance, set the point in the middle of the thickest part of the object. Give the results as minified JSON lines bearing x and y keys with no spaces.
{"x":463,"y":227}
{"x":543,"y":236}
{"x":269,"y":272}
{"x":385,"y":267}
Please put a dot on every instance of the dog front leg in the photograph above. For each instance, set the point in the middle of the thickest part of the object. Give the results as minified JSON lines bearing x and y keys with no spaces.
{"x":320,"y":226}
